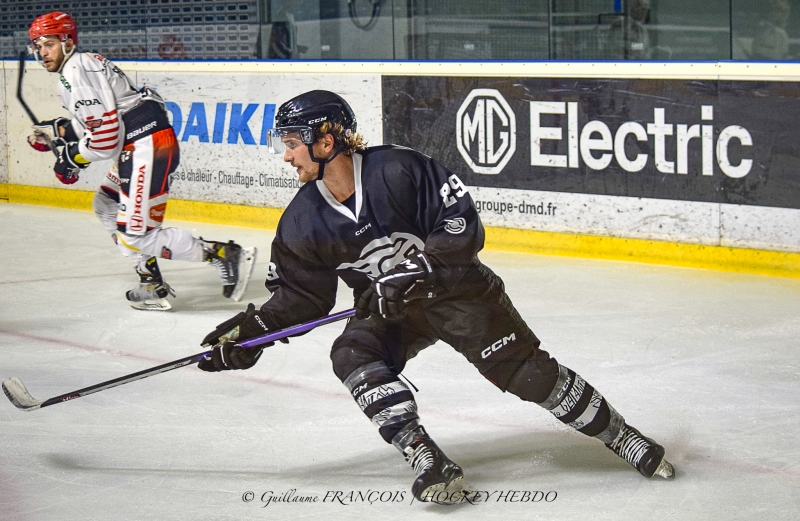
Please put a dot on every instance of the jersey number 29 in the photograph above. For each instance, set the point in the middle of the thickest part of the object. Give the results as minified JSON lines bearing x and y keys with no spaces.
{"x":454,"y":186}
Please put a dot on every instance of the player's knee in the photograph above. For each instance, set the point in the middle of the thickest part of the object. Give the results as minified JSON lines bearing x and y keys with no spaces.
{"x":354,"y":349}
{"x":534,"y":379}
{"x":106,"y":209}
{"x":346,"y":360}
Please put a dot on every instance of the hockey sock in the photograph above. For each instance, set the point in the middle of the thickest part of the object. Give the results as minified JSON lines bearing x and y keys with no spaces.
{"x":576,"y":403}
{"x":147,"y":266}
{"x":385,"y":400}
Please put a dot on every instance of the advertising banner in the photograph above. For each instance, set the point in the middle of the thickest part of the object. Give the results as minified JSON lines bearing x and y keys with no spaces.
{"x":222,"y":120}
{"x":650,"y":158}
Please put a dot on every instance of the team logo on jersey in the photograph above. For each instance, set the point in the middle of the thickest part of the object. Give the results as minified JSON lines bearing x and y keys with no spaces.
{"x":87,"y":103}
{"x":486,"y":131}
{"x":93,"y":124}
{"x":455,"y":226}
{"x":381,"y":255}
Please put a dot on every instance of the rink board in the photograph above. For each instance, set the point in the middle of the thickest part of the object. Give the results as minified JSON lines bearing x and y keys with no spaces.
{"x":221,"y":112}
{"x":3,"y":131}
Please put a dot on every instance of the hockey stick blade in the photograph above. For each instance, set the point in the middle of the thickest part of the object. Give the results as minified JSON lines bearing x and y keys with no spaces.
{"x":16,"y":392}
{"x":19,"y":395}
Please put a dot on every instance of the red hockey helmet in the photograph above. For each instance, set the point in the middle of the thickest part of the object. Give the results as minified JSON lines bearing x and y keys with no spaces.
{"x":54,"y":24}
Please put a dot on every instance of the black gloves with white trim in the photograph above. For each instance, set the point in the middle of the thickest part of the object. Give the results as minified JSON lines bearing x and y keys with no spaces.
{"x":388,"y":295}
{"x":226,"y":353}
{"x":70,"y":164}
{"x":47,"y":135}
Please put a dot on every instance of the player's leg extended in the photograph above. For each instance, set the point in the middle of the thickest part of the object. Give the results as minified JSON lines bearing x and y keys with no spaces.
{"x":106,"y":202}
{"x":151,"y":292}
{"x":147,"y":167}
{"x":576,"y":403}
{"x":367,"y":357}
{"x":497,"y":341}
{"x":135,"y":225}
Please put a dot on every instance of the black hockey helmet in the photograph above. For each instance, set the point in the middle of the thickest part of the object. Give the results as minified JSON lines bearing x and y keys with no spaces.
{"x":308,"y":111}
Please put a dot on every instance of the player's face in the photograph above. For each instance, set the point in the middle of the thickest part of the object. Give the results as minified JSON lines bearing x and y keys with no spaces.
{"x":297,"y":154}
{"x":51,"y":52}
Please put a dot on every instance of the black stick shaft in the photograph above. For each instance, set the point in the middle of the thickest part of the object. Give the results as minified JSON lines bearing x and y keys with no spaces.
{"x":22,"y":56}
{"x":169,"y":366}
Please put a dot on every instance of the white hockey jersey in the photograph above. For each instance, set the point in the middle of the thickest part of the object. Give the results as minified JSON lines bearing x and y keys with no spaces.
{"x":97,"y":93}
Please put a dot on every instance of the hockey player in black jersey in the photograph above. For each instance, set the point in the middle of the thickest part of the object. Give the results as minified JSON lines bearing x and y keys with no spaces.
{"x":402,"y":231}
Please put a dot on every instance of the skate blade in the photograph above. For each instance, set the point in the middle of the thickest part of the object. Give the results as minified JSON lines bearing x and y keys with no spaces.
{"x":161,"y":304}
{"x":453,"y":493}
{"x":665,"y":469}
{"x":247,"y":262}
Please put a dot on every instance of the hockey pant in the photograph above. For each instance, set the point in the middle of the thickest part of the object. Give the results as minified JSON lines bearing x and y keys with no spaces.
{"x":132,"y":200}
{"x":482,"y":324}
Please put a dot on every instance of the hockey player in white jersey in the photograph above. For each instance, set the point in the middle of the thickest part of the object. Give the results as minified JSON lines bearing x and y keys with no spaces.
{"x":112,"y":119}
{"x":402,"y":231}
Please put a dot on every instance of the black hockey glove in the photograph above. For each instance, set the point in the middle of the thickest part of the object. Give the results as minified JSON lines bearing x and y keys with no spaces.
{"x":70,"y":163}
{"x":243,"y":326}
{"x":47,"y":134}
{"x":230,"y":355}
{"x":54,"y":128}
{"x":388,"y":294}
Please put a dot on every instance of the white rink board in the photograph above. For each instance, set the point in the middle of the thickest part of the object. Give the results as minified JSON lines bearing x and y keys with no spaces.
{"x":659,"y":219}
{"x":3,"y":125}
{"x":238,"y":172}
{"x":246,"y":174}
{"x":225,"y":169}
{"x":26,"y":166}
{"x":760,"y":227}
{"x":711,"y":224}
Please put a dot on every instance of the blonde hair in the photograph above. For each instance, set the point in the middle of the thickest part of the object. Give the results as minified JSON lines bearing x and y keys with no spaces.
{"x":346,"y":144}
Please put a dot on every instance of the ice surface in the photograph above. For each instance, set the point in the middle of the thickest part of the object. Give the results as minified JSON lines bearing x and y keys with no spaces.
{"x":705,"y":362}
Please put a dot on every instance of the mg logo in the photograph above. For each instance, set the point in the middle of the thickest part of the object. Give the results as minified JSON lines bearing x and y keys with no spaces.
{"x":486,"y":131}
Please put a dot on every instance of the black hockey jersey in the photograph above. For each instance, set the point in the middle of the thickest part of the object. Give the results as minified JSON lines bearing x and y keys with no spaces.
{"x":404,"y":201}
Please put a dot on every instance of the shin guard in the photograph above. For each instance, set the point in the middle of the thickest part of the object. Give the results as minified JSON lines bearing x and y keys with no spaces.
{"x":386,"y":401}
{"x":576,"y":403}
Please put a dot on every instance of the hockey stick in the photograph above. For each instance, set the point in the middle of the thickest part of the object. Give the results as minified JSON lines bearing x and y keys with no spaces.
{"x":22,"y":56}
{"x":20,"y":397}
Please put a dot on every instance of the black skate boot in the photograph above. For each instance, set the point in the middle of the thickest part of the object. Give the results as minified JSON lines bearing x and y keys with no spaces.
{"x":439,"y":479}
{"x":235,"y":265}
{"x":152,"y":292}
{"x":644,"y":454}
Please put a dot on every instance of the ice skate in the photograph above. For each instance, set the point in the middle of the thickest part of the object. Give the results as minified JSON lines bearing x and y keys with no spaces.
{"x":644,"y":454}
{"x":235,"y":265}
{"x":151,"y":293}
{"x":439,"y":479}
